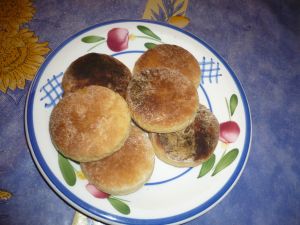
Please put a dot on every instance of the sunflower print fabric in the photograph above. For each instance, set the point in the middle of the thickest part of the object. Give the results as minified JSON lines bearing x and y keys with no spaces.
{"x":21,"y":54}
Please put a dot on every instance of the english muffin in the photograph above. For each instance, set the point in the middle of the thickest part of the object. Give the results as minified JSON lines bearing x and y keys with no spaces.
{"x":96,"y":69}
{"x":126,"y":170}
{"x":162,"y":100}
{"x":90,"y":123}
{"x":191,"y":146}
{"x":173,"y":57}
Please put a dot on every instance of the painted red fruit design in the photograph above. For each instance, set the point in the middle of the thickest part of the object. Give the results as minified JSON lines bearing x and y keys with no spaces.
{"x":95,"y":192}
{"x":229,"y":132}
{"x":117,"y":39}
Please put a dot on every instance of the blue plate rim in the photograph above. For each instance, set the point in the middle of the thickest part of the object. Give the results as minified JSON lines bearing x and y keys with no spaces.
{"x":96,"y":213}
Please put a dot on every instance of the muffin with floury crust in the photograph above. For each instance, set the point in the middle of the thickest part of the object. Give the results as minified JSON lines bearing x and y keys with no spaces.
{"x":90,"y":124}
{"x":191,"y":146}
{"x":162,"y":100}
{"x":173,"y":57}
{"x":126,"y":170}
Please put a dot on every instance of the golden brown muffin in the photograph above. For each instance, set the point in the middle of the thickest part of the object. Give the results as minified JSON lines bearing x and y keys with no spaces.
{"x":97,"y":69}
{"x":126,"y":170}
{"x":191,"y":146}
{"x":162,"y":100}
{"x":173,"y":57}
{"x":90,"y":123}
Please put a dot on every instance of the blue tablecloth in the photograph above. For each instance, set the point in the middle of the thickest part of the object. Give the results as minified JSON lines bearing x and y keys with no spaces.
{"x":261,"y":42}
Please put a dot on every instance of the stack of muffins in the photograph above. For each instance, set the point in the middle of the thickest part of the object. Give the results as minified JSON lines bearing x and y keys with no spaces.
{"x":107,"y":115}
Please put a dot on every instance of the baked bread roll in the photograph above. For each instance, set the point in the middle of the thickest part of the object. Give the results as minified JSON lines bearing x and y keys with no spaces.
{"x":97,"y":69}
{"x":162,"y":100}
{"x":191,"y":146}
{"x":90,"y":123}
{"x":126,"y":170}
{"x":173,"y":57}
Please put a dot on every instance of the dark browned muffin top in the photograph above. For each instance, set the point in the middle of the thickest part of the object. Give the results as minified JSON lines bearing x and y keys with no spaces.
{"x":97,"y":69}
{"x":196,"y":142}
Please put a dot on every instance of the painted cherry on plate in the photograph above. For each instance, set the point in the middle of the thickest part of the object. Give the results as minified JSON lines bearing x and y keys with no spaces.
{"x":229,"y":132}
{"x":117,"y":203}
{"x":95,"y":192}
{"x":117,"y":39}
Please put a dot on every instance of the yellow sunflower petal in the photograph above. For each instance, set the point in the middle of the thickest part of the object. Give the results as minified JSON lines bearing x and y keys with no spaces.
{"x":2,"y":87}
{"x":40,"y":50}
{"x":43,"y":44}
{"x":12,"y":83}
{"x":32,"y":40}
{"x":26,"y":33}
{"x":155,"y":6}
{"x":26,"y":74}
{"x":14,"y":75}
{"x":5,"y":195}
{"x":18,"y":74}
{"x":5,"y":80}
{"x":36,"y":58}
{"x":179,"y":21}
{"x":21,"y":83}
{"x":33,"y":63}
{"x":29,"y":76}
{"x":28,"y":69}
{"x":29,"y":15}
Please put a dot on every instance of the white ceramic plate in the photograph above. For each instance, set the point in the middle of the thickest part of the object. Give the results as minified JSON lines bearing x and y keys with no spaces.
{"x":172,"y":195}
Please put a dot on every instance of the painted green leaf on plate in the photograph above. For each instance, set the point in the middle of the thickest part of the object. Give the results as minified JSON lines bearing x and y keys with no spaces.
{"x":119,"y":205}
{"x":233,"y":103}
{"x":148,"y":32}
{"x":149,"y":45}
{"x":92,"y":39}
{"x":207,"y":166}
{"x":226,"y":160}
{"x":67,"y":170}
